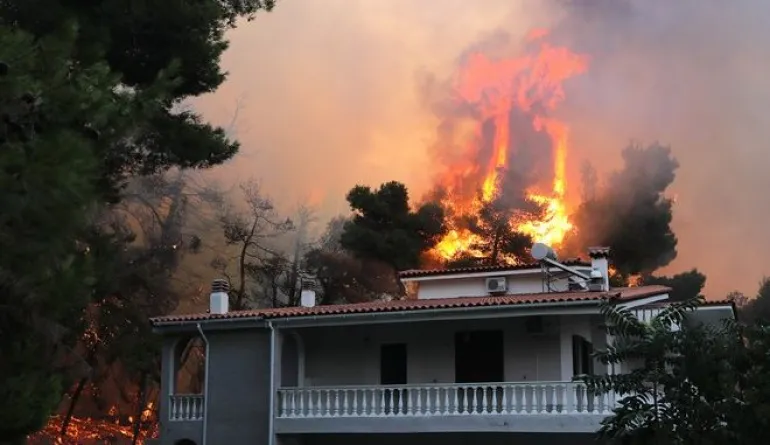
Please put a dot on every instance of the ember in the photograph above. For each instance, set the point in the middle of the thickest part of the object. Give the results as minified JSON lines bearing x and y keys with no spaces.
{"x":91,"y":431}
{"x":501,"y":91}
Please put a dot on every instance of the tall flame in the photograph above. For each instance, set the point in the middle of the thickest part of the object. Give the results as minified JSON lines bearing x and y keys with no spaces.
{"x":532,"y":85}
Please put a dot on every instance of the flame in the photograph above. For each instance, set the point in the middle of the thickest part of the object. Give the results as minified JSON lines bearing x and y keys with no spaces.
{"x":495,"y":88}
{"x":84,"y":430}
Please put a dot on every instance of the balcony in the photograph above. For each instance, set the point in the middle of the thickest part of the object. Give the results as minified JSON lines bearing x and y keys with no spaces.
{"x":443,"y":407}
{"x":186,"y":407}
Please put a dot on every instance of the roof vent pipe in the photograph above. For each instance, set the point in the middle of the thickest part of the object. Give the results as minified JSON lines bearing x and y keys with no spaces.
{"x":219,"y":302}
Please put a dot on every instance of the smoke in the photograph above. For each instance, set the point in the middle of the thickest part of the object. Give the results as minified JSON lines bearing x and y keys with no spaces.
{"x":333,"y":95}
{"x":631,"y":214}
{"x":687,"y":74}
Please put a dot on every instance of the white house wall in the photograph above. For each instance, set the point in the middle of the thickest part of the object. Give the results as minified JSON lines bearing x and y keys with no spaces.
{"x":349,"y":355}
{"x":476,"y":287}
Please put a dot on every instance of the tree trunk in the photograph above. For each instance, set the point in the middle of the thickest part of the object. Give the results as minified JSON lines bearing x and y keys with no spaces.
{"x":140,"y":408}
{"x":71,"y":409}
{"x":400,"y":284}
{"x":495,"y":247}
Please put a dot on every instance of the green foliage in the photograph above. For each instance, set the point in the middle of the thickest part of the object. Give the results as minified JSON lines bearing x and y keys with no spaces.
{"x":631,"y":215}
{"x":383,"y":227}
{"x":758,"y":308}
{"x":91,"y":94}
{"x":701,"y":384}
{"x":148,"y":43}
{"x":684,"y":286}
{"x":51,"y":113}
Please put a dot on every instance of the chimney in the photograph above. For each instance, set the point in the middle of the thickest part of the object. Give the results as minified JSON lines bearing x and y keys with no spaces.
{"x":219,"y":302}
{"x":600,"y":263}
{"x":307,"y":298}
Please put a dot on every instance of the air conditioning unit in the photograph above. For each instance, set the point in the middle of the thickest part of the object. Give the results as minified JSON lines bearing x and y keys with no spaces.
{"x":497,"y":285}
{"x":534,"y":325}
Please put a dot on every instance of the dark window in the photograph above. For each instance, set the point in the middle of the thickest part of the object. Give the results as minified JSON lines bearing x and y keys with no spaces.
{"x":581,"y":356}
{"x":393,"y":364}
{"x":479,"y":356}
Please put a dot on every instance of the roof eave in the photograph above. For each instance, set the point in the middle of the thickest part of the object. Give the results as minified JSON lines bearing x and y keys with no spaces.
{"x":466,"y":275}
{"x":395,"y":316}
{"x":245,"y":322}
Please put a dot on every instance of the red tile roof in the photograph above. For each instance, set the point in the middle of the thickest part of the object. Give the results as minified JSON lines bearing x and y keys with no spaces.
{"x":417,"y":273}
{"x":723,"y":302}
{"x":628,"y":293}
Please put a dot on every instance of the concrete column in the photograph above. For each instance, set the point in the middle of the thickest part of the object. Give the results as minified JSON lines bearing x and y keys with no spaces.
{"x":300,"y":359}
{"x":565,"y":336}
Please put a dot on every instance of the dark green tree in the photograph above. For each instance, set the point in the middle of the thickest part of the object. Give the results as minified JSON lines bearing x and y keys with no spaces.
{"x":141,"y":41}
{"x":385,"y":229}
{"x":631,"y":214}
{"x":698,"y":384}
{"x":758,"y":308}
{"x":684,"y":286}
{"x":56,"y":114}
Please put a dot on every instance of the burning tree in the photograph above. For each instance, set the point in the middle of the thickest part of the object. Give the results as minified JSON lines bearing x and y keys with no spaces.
{"x":499,"y":142}
{"x":494,"y":240}
{"x":505,"y":180}
{"x":139,"y":245}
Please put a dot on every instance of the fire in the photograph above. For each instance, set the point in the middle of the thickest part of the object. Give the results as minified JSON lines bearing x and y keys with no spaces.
{"x":110,"y":429}
{"x":496,"y":88}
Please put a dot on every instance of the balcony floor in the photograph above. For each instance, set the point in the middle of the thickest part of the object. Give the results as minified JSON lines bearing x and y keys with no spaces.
{"x":438,"y":438}
{"x":504,"y":423}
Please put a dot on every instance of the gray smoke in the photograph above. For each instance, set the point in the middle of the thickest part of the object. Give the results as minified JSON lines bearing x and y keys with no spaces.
{"x":690,"y":74}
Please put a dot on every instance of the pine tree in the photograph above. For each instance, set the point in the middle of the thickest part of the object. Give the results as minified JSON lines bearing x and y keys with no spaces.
{"x":56,"y":116}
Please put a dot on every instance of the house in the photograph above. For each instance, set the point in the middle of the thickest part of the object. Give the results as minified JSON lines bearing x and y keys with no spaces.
{"x":480,"y":355}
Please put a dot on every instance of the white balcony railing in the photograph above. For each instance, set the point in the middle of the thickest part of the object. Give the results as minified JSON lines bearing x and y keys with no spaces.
{"x":442,"y":400}
{"x":646,"y":315}
{"x":186,"y":407}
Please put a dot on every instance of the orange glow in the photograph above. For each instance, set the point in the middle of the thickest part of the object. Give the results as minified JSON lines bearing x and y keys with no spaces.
{"x":83,"y":431}
{"x":530,"y":85}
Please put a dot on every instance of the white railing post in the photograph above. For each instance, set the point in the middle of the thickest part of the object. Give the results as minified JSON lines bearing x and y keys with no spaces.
{"x":504,"y":402}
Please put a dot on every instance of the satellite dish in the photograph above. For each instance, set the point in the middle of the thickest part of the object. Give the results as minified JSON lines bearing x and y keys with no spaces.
{"x":541,"y":251}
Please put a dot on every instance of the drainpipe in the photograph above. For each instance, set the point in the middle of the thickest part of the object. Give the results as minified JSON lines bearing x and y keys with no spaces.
{"x":271,"y":421}
{"x":205,"y":386}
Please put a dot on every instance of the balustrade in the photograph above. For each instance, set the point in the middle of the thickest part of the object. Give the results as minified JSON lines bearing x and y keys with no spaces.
{"x":186,"y":407}
{"x":551,"y":398}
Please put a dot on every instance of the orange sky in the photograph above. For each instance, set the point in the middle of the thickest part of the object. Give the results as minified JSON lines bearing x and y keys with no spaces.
{"x":328,"y":94}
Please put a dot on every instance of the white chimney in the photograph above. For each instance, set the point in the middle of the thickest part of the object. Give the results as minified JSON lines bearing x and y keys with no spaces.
{"x":307,"y":298}
{"x":219,"y":302}
{"x":600,"y":263}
